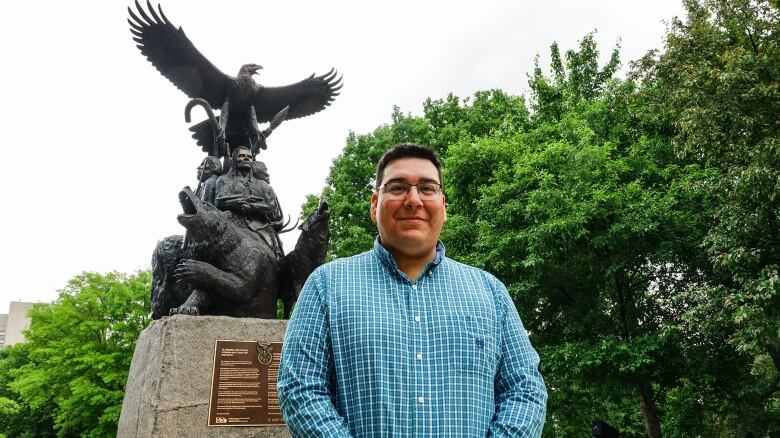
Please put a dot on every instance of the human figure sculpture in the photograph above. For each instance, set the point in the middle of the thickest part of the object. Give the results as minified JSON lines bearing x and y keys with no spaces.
{"x":209,"y":170}
{"x":251,"y":198}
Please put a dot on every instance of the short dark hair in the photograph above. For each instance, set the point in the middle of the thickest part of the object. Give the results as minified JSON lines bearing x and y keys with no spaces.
{"x":405,"y":150}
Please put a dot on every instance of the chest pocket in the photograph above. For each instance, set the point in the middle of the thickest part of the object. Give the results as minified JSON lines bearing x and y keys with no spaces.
{"x":471,"y":344}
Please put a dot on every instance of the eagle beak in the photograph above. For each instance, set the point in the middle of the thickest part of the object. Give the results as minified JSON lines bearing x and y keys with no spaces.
{"x":259,"y":67}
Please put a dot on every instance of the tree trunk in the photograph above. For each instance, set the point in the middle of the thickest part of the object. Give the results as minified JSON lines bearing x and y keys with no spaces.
{"x":649,"y":410}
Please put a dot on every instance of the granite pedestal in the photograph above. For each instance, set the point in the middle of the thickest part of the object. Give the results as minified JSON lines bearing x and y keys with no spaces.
{"x":169,"y":384}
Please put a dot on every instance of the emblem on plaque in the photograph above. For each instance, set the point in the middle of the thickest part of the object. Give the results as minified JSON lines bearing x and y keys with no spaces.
{"x":265,"y":353}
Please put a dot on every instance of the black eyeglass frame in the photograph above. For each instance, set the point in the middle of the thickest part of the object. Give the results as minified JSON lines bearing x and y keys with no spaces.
{"x":409,"y":186}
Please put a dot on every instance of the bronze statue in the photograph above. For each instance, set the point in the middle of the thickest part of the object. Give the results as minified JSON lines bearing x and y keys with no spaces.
{"x":243,"y":102}
{"x":231,"y":261}
{"x":227,"y":268}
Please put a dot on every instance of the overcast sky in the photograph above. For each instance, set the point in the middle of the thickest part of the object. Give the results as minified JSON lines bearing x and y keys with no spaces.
{"x":95,"y":137}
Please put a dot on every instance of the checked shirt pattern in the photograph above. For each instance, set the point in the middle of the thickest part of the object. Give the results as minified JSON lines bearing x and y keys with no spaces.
{"x":371,"y":353}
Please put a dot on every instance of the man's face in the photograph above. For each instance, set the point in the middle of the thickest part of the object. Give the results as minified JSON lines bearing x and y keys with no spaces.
{"x":244,"y":159}
{"x":205,"y":170}
{"x":408,"y":224}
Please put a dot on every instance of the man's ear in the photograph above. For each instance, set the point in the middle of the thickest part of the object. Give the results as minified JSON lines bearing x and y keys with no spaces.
{"x":444,"y":201}
{"x":374,"y":200}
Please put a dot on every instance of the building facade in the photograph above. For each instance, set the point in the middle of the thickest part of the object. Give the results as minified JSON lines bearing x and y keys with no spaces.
{"x":13,"y":324}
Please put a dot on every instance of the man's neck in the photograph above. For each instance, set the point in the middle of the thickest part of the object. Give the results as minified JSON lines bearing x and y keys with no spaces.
{"x":412,"y":265}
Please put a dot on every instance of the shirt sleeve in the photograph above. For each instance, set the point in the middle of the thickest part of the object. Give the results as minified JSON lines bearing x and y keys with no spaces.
{"x":306,"y":368}
{"x":520,"y":394}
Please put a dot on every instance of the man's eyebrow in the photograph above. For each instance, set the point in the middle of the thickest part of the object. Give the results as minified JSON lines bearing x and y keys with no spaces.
{"x":422,"y":179}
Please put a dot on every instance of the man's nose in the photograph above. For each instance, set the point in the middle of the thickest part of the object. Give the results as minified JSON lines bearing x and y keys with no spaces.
{"x":412,"y":198}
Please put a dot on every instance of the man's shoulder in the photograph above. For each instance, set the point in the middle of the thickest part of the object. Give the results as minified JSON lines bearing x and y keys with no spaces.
{"x":351,"y":264}
{"x":336,"y":272}
{"x":454,"y":267}
{"x":477,"y":282}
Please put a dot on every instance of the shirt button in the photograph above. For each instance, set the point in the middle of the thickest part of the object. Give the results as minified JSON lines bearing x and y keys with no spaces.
{"x":420,"y":400}
{"x":414,"y":287}
{"x":419,"y":356}
{"x":417,"y":318}
{"x":430,"y":273}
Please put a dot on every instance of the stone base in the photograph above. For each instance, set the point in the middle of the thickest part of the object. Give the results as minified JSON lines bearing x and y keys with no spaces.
{"x":169,"y":384}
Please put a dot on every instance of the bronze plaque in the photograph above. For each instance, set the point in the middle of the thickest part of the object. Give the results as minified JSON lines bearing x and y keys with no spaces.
{"x":243,"y":384}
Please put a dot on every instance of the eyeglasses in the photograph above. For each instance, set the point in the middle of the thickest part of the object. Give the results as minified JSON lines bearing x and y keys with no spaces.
{"x":398,"y":189}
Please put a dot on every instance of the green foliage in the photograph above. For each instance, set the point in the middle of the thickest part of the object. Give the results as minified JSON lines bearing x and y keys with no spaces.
{"x":715,"y":93}
{"x":74,"y":365}
{"x":577,"y":80}
{"x":584,"y":219}
{"x":17,"y":417}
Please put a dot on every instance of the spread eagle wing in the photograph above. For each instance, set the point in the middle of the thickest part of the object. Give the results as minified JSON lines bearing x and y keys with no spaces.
{"x":304,"y":98}
{"x":174,"y":55}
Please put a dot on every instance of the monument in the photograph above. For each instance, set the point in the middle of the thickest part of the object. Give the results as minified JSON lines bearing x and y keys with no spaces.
{"x":206,"y":366}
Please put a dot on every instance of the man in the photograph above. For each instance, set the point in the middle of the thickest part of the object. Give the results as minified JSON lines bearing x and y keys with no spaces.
{"x":402,"y":341}
{"x":250,"y":197}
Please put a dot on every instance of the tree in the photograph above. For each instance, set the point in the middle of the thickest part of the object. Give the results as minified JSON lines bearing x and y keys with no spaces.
{"x":715,"y":93}
{"x":18,"y":418}
{"x":78,"y":352}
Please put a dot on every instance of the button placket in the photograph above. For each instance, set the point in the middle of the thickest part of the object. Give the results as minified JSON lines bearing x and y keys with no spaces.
{"x":417,"y":304}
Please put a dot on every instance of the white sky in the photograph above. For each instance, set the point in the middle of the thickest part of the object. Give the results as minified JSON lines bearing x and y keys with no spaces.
{"x":95,"y":137}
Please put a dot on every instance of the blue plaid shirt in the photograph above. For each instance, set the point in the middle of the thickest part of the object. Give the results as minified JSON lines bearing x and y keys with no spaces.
{"x":371,"y":353}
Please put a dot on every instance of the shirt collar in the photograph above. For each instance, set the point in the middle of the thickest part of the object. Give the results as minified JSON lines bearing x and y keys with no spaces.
{"x":387,"y":258}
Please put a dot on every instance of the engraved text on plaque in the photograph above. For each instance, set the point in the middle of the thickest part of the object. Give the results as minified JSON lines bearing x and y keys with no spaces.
{"x":243,"y":384}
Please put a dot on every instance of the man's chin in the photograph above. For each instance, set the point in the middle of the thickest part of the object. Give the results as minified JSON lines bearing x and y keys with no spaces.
{"x":417,"y":241}
{"x":414,"y":234}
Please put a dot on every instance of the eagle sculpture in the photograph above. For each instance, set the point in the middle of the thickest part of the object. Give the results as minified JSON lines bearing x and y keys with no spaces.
{"x":243,"y":102}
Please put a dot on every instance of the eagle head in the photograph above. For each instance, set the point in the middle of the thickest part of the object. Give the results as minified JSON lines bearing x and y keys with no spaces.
{"x":249,"y":69}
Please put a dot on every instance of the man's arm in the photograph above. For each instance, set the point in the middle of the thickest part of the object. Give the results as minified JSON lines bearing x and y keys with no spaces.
{"x":307,"y":367}
{"x":521,"y":397}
